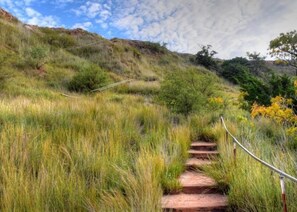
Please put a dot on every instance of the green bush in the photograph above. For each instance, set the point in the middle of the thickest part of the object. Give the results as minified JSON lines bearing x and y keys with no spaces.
{"x":234,"y":70}
{"x":205,"y":57}
{"x":37,"y":56}
{"x":187,"y":91}
{"x":59,"y":40}
{"x":261,"y":91}
{"x":88,"y":79}
{"x":155,"y":48}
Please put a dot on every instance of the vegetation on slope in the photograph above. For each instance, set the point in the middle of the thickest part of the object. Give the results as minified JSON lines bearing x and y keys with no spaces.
{"x":109,"y":152}
{"x":120,"y":151}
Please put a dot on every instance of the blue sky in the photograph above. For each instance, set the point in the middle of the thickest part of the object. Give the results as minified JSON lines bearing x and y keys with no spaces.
{"x":232,"y":27}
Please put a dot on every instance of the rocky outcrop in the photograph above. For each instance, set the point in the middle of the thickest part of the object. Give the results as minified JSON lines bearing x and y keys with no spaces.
{"x":7,"y":16}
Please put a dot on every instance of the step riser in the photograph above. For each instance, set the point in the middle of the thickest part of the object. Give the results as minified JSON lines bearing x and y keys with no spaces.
{"x":200,"y":190}
{"x":204,"y":148}
{"x":204,"y":156}
{"x":193,"y":167}
{"x":219,"y":209}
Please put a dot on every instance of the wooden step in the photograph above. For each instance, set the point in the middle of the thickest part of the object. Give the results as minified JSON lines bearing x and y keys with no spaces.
{"x":195,"y":202}
{"x":194,"y":163}
{"x":203,"y":146}
{"x":197,"y":183}
{"x":203,"y":154}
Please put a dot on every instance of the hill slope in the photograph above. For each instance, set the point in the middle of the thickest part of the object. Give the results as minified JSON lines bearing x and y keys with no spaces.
{"x":39,"y":57}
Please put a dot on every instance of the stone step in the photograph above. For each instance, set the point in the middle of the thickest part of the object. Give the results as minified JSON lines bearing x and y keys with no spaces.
{"x":203,"y":154}
{"x":194,"y":163}
{"x":203,"y":146}
{"x":197,"y":183}
{"x":195,"y":202}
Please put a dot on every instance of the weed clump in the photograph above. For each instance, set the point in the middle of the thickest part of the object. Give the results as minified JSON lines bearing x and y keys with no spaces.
{"x":186,"y":92}
{"x":88,"y":79}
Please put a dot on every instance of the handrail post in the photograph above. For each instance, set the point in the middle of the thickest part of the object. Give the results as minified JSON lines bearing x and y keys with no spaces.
{"x":234,"y":151}
{"x":280,"y":172}
{"x":282,"y":183}
{"x":226,"y":136}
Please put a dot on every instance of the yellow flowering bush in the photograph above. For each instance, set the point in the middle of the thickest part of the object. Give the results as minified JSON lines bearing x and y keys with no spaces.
{"x":281,"y":112}
{"x":216,"y":102}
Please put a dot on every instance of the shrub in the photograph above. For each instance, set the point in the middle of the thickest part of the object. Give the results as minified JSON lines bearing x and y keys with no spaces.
{"x":186,"y":91}
{"x":37,"y":56}
{"x":235,"y":69}
{"x":261,"y":91}
{"x":88,"y":79}
{"x":255,"y":90}
{"x":59,"y":40}
{"x":155,"y":48}
{"x":205,"y":57}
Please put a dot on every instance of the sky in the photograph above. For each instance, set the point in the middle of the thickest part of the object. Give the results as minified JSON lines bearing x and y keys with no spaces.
{"x":232,"y":27}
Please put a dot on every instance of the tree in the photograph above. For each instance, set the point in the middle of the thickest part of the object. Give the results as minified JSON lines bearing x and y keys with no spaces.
{"x":233,"y":70}
{"x":254,"y":90}
{"x":255,"y":56}
{"x":187,"y":91}
{"x":257,"y":63}
{"x":284,"y":47}
{"x":205,"y":57}
{"x":260,"y":91}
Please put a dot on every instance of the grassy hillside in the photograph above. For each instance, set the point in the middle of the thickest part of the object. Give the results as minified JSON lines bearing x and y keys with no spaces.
{"x":119,"y":150}
{"x":112,"y":151}
{"x":49,"y":58}
{"x":108,"y":153}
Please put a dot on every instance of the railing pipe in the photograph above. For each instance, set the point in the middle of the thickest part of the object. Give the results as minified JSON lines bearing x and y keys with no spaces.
{"x":280,"y":172}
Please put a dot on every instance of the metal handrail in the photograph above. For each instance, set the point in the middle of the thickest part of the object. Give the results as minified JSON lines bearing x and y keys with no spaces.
{"x":282,"y":173}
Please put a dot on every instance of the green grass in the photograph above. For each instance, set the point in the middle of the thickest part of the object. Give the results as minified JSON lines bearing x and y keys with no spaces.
{"x":250,"y":185}
{"x":116,"y":150}
{"x":146,"y":88}
{"x":91,"y":153}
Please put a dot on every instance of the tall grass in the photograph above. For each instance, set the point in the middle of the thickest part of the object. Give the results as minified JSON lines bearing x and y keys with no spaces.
{"x":250,"y":185}
{"x":103,"y":153}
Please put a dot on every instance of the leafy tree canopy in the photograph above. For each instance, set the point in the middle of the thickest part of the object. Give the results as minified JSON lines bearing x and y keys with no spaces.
{"x":185,"y":92}
{"x":284,"y":47}
{"x":205,"y":57}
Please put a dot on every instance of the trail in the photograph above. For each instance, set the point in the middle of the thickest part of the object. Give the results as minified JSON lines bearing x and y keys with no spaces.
{"x":199,"y":192}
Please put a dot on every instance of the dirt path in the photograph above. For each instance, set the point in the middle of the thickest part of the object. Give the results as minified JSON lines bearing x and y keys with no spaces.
{"x":199,"y":192}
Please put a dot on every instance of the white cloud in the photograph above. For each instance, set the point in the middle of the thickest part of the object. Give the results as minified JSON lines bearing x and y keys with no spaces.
{"x":36,"y":18}
{"x":233,"y":27}
{"x":85,"y":25}
{"x":130,"y":23}
{"x":31,"y":12}
{"x":12,"y":3}
{"x":27,"y":14}
{"x":28,"y":2}
{"x":102,"y":23}
{"x":93,"y":9}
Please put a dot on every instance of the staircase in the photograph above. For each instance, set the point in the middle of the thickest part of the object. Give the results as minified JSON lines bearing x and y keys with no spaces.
{"x":199,"y":192}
